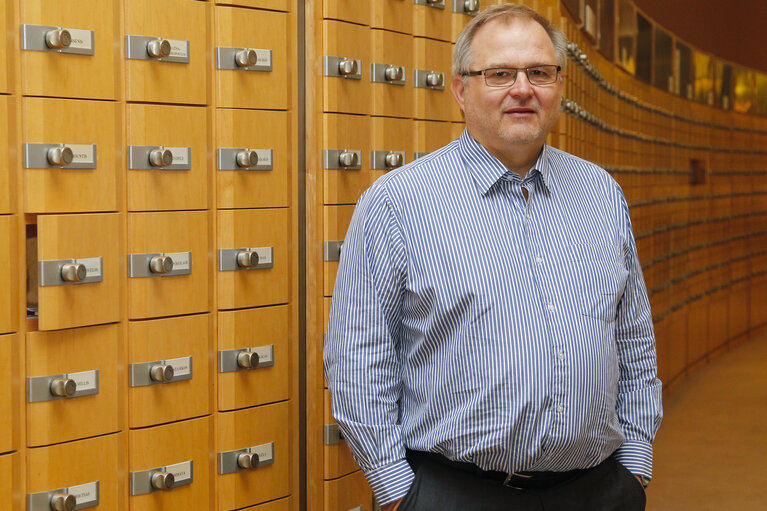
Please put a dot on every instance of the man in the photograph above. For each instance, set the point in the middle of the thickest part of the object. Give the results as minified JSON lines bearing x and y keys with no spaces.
{"x":490,"y":343}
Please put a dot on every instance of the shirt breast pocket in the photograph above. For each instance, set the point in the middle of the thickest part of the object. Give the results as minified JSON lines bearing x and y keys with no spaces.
{"x":600,"y":279}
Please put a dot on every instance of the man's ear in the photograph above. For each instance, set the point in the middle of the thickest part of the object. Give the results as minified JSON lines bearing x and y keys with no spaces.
{"x":458,"y":88}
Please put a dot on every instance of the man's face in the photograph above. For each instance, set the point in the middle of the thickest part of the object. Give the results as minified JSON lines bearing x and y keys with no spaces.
{"x":517,"y":118}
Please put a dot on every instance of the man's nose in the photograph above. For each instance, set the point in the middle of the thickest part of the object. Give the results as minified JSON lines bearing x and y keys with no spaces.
{"x":521,"y":85}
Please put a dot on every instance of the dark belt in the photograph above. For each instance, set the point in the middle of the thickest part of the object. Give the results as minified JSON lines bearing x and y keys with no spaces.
{"x":516,"y":480}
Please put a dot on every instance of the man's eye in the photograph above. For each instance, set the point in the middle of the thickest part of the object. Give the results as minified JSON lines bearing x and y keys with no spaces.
{"x":500,"y":74}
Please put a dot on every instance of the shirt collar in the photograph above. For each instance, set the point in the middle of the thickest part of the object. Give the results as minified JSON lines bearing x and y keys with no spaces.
{"x":487,"y":170}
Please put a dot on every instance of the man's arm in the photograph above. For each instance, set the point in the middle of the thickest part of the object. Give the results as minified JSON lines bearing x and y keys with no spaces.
{"x":639,"y":406}
{"x":361,"y":357}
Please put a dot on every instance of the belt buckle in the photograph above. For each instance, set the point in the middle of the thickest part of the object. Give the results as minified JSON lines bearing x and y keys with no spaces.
{"x":507,"y":481}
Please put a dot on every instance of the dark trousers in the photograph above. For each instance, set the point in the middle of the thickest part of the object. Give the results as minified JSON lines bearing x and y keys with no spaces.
{"x":440,"y":486}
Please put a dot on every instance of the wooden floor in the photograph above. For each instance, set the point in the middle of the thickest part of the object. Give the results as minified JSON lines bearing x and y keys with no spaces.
{"x":711,"y":450}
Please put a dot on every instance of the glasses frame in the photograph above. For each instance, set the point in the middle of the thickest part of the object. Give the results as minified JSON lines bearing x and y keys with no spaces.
{"x":516,"y":70}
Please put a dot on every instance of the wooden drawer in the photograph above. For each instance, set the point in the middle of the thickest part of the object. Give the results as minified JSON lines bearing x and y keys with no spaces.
{"x":265,"y":232}
{"x":182,"y":343}
{"x":266,"y":429}
{"x":86,"y":468}
{"x":181,"y":77}
{"x":348,"y":493}
{"x":9,"y":394}
{"x":183,"y":184}
{"x":265,"y":331}
{"x":9,"y":277}
{"x":266,"y":133}
{"x":88,"y":67}
{"x":343,"y":134}
{"x":268,"y":82}
{"x":87,"y":356}
{"x":94,"y":241}
{"x":338,"y":457}
{"x":352,"y":42}
{"x":88,"y":128}
{"x":182,"y":449}
{"x":183,"y":237}
{"x":337,"y":220}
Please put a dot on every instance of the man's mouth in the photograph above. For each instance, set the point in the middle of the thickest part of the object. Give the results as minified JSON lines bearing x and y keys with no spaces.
{"x":520,"y":111}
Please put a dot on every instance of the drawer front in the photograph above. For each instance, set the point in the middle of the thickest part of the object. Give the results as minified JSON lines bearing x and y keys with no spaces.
{"x":391,"y":136}
{"x":337,"y":220}
{"x":265,"y":331}
{"x":91,"y":470}
{"x":353,"y":11}
{"x":9,"y":296}
{"x":346,"y":134}
{"x":257,"y":281}
{"x":263,"y":430}
{"x":87,"y":129}
{"x":182,"y":343}
{"x":348,"y":493}
{"x":182,"y":449}
{"x":394,"y":15}
{"x":178,"y":74}
{"x":153,"y":183}
{"x":338,"y":458}
{"x":277,"y":505}
{"x":10,"y":484}
{"x":7,"y":194}
{"x":346,"y":85}
{"x":467,"y":12}
{"x":432,"y":58}
{"x":88,"y":66}
{"x":264,"y":82}
{"x":5,"y":20}
{"x":65,"y":244}
{"x":432,"y":21}
{"x":240,"y":184}
{"x":87,"y":356}
{"x":391,"y":73}
{"x":158,"y":288}
{"x":272,"y":5}
{"x":9,"y":402}
{"x":431,"y":135}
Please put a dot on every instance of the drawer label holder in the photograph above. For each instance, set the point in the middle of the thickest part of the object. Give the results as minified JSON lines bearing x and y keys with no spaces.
{"x":227,"y":359}
{"x":139,"y":157}
{"x":226,"y":58}
{"x":228,"y":462}
{"x":141,"y":372}
{"x":139,"y":264}
{"x":39,"y":387}
{"x":50,"y":271}
{"x":136,"y":48}
{"x":227,"y":158}
{"x":86,"y":496}
{"x":227,"y":258}
{"x":84,"y":156}
{"x":33,"y":39}
{"x":333,"y":434}
{"x":141,"y":481}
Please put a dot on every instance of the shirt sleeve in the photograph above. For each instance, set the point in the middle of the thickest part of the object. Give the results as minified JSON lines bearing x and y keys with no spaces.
{"x":361,"y":360}
{"x":639,"y":407}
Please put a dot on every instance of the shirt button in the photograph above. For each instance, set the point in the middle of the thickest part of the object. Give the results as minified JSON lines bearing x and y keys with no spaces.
{"x":527,"y":216}
{"x":551,"y":307}
{"x":561,"y":355}
{"x":560,"y":408}
{"x":539,"y":260}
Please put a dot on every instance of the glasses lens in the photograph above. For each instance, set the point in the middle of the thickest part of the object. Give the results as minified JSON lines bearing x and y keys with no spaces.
{"x":500,"y":77}
{"x":541,"y":75}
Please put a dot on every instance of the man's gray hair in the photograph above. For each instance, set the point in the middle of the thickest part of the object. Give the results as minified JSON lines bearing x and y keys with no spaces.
{"x":462,"y":54}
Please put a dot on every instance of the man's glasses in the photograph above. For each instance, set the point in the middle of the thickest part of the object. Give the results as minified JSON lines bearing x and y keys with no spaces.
{"x":506,"y":76}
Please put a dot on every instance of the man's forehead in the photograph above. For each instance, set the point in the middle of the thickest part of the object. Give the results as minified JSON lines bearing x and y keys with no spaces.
{"x":503,"y":33}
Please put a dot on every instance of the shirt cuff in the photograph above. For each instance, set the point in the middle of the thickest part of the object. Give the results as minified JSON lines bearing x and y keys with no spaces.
{"x":636,"y":456}
{"x":390,"y":483}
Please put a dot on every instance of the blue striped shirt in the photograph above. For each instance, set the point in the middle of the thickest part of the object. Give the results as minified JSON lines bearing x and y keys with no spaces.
{"x":512,"y":334}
